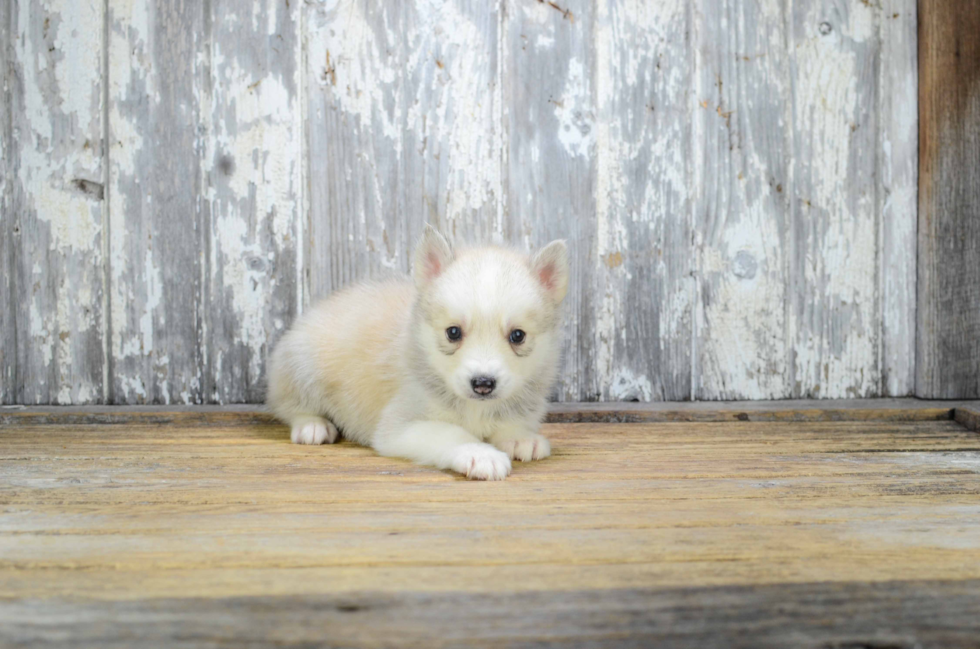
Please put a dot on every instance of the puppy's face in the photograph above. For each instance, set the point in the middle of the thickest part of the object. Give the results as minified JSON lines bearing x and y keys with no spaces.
{"x":486,"y":320}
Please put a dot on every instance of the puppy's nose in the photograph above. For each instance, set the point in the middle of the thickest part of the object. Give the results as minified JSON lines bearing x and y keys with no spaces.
{"x":483,"y":385}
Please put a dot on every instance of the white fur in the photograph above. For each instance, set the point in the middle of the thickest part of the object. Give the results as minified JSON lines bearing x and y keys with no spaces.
{"x":375,"y":362}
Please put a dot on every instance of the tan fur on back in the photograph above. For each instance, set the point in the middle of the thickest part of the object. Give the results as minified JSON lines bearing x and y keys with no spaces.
{"x":344,"y":357}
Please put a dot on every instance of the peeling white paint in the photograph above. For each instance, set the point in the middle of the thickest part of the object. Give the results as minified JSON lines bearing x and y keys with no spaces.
{"x":576,"y":120}
{"x":835,"y":355}
{"x":461,"y":108}
{"x":130,"y":84}
{"x":432,"y":85}
{"x":263,"y":147}
{"x":744,"y":351}
{"x":255,"y":196}
{"x":47,"y":168}
{"x":360,"y":68}
{"x":627,"y":387}
{"x":860,"y":24}
{"x":622,"y":143}
{"x":56,"y":48}
{"x":232,"y":248}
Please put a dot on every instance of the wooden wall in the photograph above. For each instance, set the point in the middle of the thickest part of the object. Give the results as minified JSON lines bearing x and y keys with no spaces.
{"x":948,"y":359}
{"x":736,"y":180}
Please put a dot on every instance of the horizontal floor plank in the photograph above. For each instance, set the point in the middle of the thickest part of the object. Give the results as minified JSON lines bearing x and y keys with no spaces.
{"x":705,"y":411}
{"x":161,"y":523}
{"x":900,"y":614}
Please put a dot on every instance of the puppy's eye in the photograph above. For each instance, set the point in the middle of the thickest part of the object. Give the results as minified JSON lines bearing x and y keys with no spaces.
{"x":517,"y":336}
{"x":454,"y":334}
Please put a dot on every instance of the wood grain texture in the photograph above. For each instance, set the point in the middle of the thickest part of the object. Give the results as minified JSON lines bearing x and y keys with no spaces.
{"x":566,"y":412}
{"x":157,"y":200}
{"x":969,"y":417}
{"x":834,"y":314}
{"x":549,"y":118}
{"x":849,"y":531}
{"x":403,"y":130}
{"x":743,"y":224}
{"x":948,"y":349}
{"x":8,"y":304}
{"x":736,"y":181}
{"x":254,"y":165}
{"x":53,"y":217}
{"x":897,"y":194}
{"x":896,"y":615}
{"x":644,"y":292}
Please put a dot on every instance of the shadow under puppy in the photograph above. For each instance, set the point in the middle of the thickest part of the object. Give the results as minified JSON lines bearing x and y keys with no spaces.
{"x":451,"y":371}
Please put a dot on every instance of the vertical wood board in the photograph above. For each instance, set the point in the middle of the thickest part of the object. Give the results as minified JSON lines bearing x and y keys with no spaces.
{"x":8,"y":308}
{"x":644,"y":291}
{"x":53,"y":202}
{"x":549,"y":117}
{"x":743,"y":226}
{"x":402,"y":131}
{"x":254,"y":166}
{"x":897,"y":169}
{"x":948,"y":315}
{"x":157,"y":62}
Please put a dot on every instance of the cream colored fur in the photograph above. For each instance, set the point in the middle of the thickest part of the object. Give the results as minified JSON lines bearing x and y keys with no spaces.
{"x":375,"y":362}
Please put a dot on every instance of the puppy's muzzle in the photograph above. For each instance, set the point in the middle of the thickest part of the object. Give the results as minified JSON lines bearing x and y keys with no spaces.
{"x":483,"y":385}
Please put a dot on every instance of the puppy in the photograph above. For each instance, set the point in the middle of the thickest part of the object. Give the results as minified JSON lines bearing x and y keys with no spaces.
{"x":451,"y":371}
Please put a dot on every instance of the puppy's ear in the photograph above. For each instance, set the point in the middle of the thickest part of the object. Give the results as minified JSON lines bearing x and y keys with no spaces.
{"x":550,"y":267}
{"x":432,"y":256}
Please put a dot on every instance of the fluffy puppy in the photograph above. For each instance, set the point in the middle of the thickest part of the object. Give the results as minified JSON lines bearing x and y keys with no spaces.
{"x":452,"y":370}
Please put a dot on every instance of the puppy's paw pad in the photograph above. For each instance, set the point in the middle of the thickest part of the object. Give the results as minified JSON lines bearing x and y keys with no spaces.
{"x":525,"y":449}
{"x":314,"y":431}
{"x":481,"y":462}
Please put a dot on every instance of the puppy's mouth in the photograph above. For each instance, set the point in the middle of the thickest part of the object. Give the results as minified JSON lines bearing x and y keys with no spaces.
{"x":482,"y":397}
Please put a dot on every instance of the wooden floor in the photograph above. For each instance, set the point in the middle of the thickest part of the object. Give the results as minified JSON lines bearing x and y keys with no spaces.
{"x":699,"y":534}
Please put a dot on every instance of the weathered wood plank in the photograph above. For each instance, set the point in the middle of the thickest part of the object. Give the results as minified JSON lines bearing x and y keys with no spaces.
{"x":567,"y":412}
{"x":948,"y":315}
{"x":968,"y":416}
{"x":508,"y":123}
{"x":254,"y":164}
{"x":742,"y":216}
{"x":157,"y":199}
{"x":897,"y":177}
{"x":768,"y":534}
{"x":900,"y":615}
{"x":53,"y":205}
{"x":834,"y":317}
{"x":8,"y":293}
{"x":549,"y":114}
{"x":403,"y":129}
{"x":643,"y":293}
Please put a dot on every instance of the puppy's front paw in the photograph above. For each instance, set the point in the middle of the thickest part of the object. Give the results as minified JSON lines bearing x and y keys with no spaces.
{"x":313,"y":430}
{"x":525,"y":449}
{"x":480,"y":462}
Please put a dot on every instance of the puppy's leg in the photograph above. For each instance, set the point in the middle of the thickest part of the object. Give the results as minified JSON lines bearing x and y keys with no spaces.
{"x":310,"y":429}
{"x":444,"y":446}
{"x":521,"y":444}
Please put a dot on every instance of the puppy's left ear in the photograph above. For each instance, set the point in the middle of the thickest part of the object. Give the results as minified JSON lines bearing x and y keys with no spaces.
{"x":550,"y":267}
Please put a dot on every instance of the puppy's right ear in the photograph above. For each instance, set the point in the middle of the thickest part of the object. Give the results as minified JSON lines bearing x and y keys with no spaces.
{"x":432,"y":256}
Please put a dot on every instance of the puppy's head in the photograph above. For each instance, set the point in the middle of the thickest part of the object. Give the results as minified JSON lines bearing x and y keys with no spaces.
{"x":486,"y":318}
